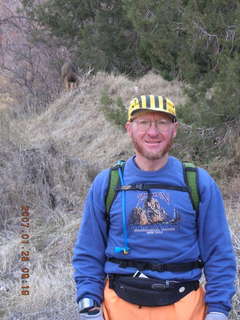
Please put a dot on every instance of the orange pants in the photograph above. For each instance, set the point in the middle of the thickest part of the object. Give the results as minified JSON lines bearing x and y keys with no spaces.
{"x":191,"y":307}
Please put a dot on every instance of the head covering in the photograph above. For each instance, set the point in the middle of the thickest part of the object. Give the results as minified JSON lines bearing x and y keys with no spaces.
{"x":152,"y":103}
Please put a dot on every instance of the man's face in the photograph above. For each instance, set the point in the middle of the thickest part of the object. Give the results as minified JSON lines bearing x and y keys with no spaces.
{"x":152,"y":134}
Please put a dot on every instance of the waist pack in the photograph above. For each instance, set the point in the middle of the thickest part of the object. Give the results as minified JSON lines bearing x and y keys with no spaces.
{"x":150,"y":292}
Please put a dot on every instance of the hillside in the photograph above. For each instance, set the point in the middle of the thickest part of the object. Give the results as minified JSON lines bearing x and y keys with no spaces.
{"x":76,"y":119}
{"x":47,"y":163}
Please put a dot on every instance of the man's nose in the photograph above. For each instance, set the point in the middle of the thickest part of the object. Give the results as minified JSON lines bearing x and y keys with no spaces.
{"x":153,"y":128}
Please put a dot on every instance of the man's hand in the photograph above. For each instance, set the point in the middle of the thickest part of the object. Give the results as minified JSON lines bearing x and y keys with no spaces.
{"x":93,"y":314}
{"x":216,"y":316}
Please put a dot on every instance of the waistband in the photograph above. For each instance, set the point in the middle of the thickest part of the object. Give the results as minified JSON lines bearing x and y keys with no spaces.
{"x":145,"y":265}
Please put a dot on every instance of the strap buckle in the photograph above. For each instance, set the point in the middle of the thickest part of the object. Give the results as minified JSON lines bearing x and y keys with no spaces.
{"x":158,"y":267}
{"x":124,"y":188}
{"x":138,"y":186}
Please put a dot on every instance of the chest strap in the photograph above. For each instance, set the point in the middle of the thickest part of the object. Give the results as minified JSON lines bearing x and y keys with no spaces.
{"x":148,"y":186}
{"x":143,"y":265}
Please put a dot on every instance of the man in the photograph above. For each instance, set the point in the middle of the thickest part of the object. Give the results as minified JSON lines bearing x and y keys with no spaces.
{"x":144,"y":262}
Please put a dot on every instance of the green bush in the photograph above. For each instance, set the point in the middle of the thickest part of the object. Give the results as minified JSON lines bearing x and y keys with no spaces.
{"x":114,"y":110}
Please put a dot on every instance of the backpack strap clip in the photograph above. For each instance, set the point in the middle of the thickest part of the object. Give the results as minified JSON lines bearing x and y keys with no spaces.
{"x":139,"y":186}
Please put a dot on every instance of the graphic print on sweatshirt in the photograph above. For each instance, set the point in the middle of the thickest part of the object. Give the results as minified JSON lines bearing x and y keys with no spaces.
{"x":154,"y":213}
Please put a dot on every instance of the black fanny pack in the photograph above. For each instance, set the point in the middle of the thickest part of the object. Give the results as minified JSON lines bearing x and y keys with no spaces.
{"x":150,"y":292}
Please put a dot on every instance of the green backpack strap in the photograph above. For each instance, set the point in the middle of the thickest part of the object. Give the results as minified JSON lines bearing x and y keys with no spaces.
{"x":191,"y":179}
{"x":113,"y":182}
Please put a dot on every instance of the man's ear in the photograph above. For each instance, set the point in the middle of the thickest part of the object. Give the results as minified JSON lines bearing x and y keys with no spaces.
{"x":176,"y":125}
{"x":128,"y":126}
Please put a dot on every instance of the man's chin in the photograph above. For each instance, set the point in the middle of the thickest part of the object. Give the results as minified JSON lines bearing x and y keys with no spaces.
{"x":151,"y":155}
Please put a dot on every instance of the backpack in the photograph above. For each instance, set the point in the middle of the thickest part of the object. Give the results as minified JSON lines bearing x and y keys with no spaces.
{"x":190,"y":173}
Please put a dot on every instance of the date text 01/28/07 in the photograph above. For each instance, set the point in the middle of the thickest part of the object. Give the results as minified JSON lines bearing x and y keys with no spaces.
{"x":25,"y":254}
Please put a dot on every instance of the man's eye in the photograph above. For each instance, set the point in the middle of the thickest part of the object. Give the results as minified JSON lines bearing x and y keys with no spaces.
{"x":163,"y":123}
{"x":144,"y":122}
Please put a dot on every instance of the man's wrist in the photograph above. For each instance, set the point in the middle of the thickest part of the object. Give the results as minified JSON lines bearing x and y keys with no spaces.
{"x":86,"y":304}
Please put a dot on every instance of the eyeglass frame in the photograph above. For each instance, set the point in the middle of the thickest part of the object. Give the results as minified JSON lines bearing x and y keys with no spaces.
{"x":156,"y":123}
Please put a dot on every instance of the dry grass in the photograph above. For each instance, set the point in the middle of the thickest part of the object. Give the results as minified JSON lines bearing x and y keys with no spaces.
{"x":233,"y":207}
{"x":5,"y":99}
{"x":47,"y":162}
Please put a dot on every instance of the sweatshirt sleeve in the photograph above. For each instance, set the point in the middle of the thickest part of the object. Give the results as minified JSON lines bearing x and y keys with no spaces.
{"x":89,"y":251}
{"x":216,"y":247}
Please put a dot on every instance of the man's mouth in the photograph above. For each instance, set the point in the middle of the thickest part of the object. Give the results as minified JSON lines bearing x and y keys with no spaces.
{"x":153,"y":142}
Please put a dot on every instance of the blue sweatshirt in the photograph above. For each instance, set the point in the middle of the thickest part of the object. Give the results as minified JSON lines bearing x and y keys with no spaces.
{"x":162,"y":230}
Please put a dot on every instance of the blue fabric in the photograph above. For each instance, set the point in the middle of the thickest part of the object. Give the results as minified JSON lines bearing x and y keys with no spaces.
{"x":164,"y":230}
{"x":216,"y":316}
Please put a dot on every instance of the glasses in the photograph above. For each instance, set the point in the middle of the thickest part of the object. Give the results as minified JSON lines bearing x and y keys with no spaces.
{"x":144,"y":125}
